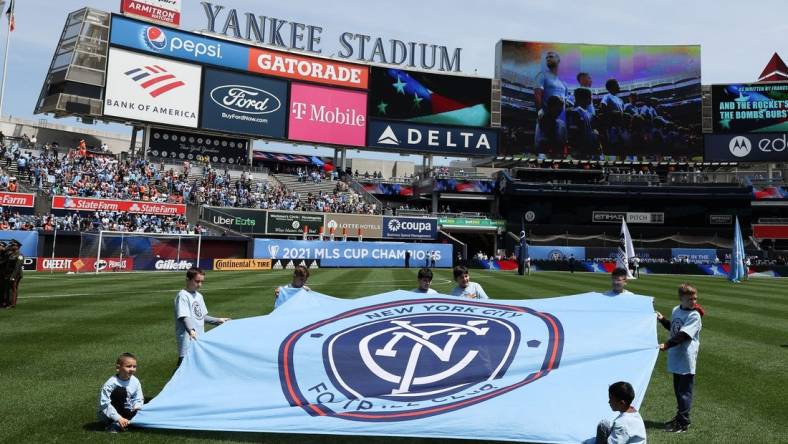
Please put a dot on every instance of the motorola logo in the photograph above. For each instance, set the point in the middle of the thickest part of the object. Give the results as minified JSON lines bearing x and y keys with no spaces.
{"x":740,"y":146}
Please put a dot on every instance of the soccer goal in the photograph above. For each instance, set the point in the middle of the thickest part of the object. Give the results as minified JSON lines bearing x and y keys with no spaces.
{"x":107,"y":251}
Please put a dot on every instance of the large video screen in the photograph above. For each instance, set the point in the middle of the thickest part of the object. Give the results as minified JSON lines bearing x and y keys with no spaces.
{"x":421,"y":97}
{"x":742,"y":108}
{"x":600,"y":102}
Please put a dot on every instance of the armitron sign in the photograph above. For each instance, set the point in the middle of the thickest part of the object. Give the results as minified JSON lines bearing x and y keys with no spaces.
{"x":241,"y":264}
{"x":162,"y":11}
{"x":127,"y":206}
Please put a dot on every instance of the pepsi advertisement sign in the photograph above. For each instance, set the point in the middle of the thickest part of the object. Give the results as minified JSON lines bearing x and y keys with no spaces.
{"x":352,"y":254}
{"x":177,"y":44}
{"x":409,"y":228}
{"x":753,"y":147}
{"x":446,"y":140}
{"x":240,"y":103}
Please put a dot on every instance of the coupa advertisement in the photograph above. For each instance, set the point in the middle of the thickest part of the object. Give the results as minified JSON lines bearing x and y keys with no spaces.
{"x":352,"y":254}
{"x":395,"y":227}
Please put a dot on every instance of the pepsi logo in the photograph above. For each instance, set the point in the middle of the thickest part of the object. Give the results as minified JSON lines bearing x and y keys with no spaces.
{"x":155,"y":38}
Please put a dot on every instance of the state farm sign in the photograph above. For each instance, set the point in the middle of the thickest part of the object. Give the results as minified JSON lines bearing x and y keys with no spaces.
{"x":126,"y":206}
{"x":17,"y":200}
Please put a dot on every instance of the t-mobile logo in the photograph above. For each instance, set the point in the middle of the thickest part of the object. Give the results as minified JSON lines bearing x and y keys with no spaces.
{"x":323,"y":114}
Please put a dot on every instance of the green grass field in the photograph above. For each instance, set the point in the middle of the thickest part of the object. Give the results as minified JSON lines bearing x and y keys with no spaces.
{"x":59,"y":345}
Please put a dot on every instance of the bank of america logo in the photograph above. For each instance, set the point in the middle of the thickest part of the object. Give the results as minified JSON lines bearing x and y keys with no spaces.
{"x":388,"y":137}
{"x":154,"y":79}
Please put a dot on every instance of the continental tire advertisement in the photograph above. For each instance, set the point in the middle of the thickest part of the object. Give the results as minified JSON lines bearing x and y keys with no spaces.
{"x":293,"y":223}
{"x":241,"y":264}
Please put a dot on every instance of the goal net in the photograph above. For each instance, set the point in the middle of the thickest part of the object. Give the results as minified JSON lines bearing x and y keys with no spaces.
{"x":108,"y":251}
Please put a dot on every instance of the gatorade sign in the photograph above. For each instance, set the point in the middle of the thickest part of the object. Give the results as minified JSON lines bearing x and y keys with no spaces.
{"x":409,"y":228}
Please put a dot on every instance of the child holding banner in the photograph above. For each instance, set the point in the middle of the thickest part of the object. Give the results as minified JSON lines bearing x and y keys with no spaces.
{"x":465,"y":288}
{"x":682,"y":350}
{"x":628,"y":425}
{"x":121,"y":396}
{"x":425,"y":279}
{"x":191,"y":314}
{"x":300,"y":276}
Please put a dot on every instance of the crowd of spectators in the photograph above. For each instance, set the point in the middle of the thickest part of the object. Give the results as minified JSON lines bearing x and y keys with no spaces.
{"x":98,"y":221}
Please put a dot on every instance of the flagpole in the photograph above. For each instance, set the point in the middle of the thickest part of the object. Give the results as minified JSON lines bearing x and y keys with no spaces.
{"x":5,"y":62}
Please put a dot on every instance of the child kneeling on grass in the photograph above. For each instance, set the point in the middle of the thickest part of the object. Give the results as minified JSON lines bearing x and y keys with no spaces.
{"x":121,"y":396}
{"x":628,"y":427}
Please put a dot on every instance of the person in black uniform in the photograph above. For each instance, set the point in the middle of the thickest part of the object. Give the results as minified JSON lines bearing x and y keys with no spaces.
{"x":12,"y":273}
{"x":4,"y":300}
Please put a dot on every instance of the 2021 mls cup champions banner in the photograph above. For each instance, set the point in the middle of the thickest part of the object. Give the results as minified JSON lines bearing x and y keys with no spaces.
{"x":397,"y":364}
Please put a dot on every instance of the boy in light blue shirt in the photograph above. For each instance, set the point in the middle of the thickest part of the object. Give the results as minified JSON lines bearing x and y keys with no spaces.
{"x":121,"y":396}
{"x":682,"y":348}
{"x":628,"y":427}
{"x":618,"y":280}
{"x":465,"y":288}
{"x":425,"y":279}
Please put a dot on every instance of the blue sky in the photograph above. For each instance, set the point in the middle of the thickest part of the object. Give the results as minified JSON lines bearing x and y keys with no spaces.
{"x":737,"y":38}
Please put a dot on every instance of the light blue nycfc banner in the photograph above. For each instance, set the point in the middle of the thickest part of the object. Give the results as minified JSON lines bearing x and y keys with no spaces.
{"x":353,"y":254}
{"x":402,"y":364}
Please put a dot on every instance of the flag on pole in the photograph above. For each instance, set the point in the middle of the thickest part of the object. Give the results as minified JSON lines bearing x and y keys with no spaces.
{"x":737,"y":270}
{"x":626,"y":251}
{"x":10,"y":14}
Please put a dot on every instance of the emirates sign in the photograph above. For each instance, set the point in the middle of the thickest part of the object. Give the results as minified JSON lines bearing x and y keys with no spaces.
{"x":126,"y":206}
{"x":17,"y":200}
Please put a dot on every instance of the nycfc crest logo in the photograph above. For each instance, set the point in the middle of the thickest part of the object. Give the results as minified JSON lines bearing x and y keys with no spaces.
{"x":410,"y":359}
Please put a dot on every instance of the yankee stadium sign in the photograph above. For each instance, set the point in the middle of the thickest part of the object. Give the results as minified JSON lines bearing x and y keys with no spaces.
{"x":273,"y":31}
{"x":412,"y":359}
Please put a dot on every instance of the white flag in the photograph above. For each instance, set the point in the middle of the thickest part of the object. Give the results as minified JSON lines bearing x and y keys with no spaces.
{"x":626,"y":251}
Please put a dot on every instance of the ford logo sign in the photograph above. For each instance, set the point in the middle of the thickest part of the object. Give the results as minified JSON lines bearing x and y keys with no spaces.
{"x":245,"y":99}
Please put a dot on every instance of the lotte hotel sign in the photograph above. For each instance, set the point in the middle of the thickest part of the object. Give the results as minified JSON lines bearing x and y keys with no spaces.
{"x":302,"y":37}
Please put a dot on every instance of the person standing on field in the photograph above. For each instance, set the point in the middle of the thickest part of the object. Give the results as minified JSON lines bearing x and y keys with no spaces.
{"x":191,"y":314}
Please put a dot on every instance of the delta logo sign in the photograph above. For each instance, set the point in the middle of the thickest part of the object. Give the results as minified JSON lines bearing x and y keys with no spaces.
{"x":410,"y":359}
{"x":404,"y":136}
